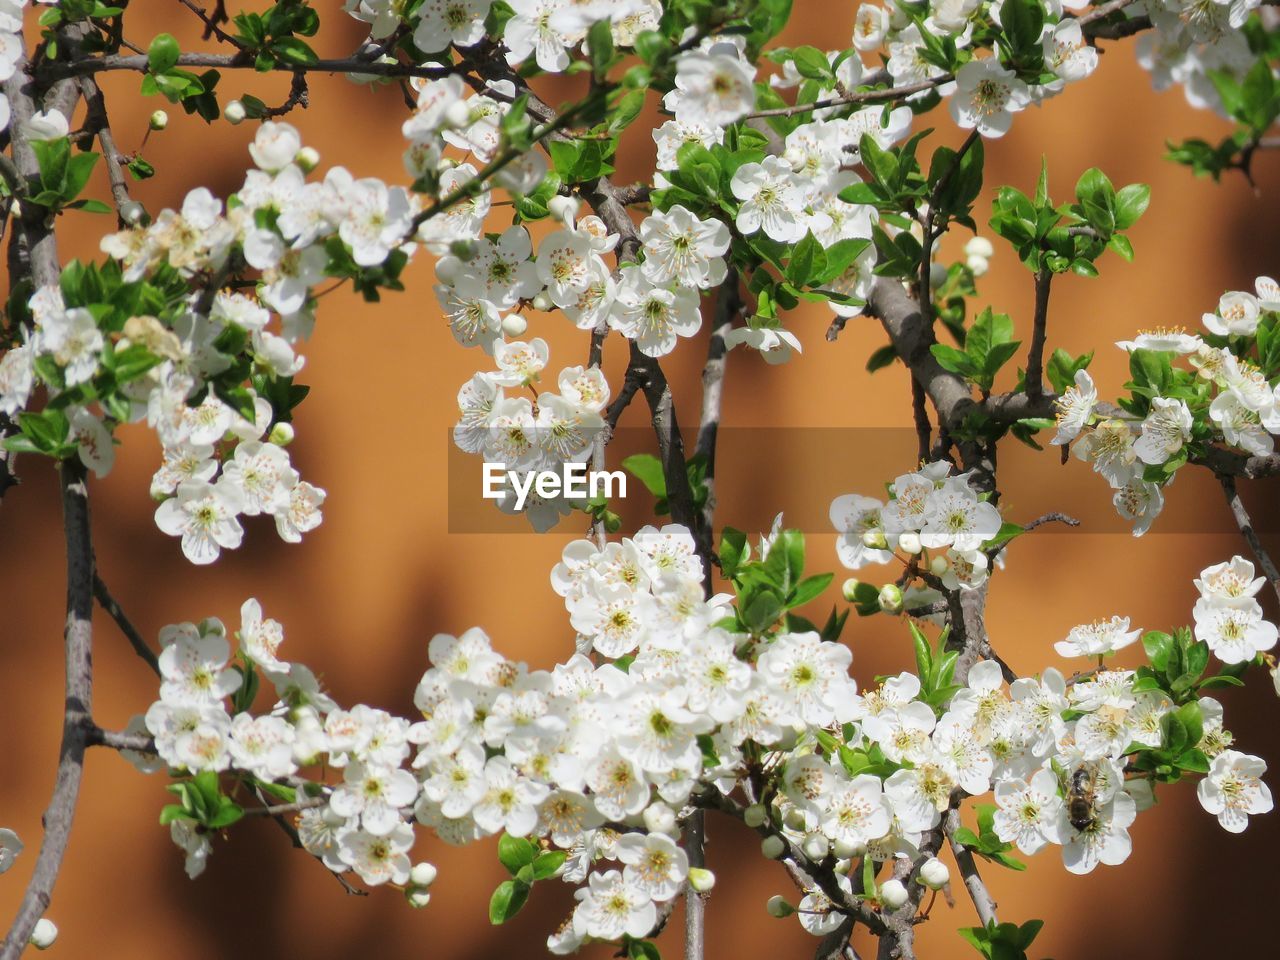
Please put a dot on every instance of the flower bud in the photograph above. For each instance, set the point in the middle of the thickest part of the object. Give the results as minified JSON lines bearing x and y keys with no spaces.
{"x":464,"y":250}
{"x":281,"y":434}
{"x":702,"y":880}
{"x":542,"y":302}
{"x":938,"y":566}
{"x":795,"y":819}
{"x":417,"y":897}
{"x":778,"y":907}
{"x":847,"y":850}
{"x":909,"y":542}
{"x":979,"y":247}
{"x":308,"y":158}
{"x":977,"y":265}
{"x":754,"y":815}
{"x":874,"y":540}
{"x":890,"y":598}
{"x":44,"y":933}
{"x":659,"y":818}
{"x":159,"y":120}
{"x":772,"y":847}
{"x":849,"y":589}
{"x":233,"y":112}
{"x":893,"y":894}
{"x":937,"y":275}
{"x":934,"y":874}
{"x":132,"y":212}
{"x":457,"y":114}
{"x":423,"y":874}
{"x":564,"y":209}
{"x":816,"y":847}
{"x":514,"y":325}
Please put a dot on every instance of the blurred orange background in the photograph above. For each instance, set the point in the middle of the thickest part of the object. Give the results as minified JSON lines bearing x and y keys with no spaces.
{"x":363,"y":594}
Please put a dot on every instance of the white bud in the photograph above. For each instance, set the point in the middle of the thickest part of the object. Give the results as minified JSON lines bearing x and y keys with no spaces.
{"x":893,"y":894}
{"x":909,"y":542}
{"x":816,"y":847}
{"x":542,"y":302}
{"x":659,"y":818}
{"x":844,"y":866}
{"x":233,"y":112}
{"x":159,"y":120}
{"x":937,"y":275}
{"x":938,"y":566}
{"x":848,"y":850}
{"x":564,"y":209}
{"x":849,"y":588}
{"x":979,"y":247}
{"x":795,"y":819}
{"x":874,"y":540}
{"x":890,"y":598}
{"x":308,"y":159}
{"x":457,"y":114}
{"x":44,"y":934}
{"x":281,"y":434}
{"x":514,"y":325}
{"x":417,"y":897}
{"x":132,"y":212}
{"x":423,"y":874}
{"x":778,"y":907}
{"x":701,"y":880}
{"x":772,"y":847}
{"x":754,"y":815}
{"x":977,"y":265}
{"x":934,"y":874}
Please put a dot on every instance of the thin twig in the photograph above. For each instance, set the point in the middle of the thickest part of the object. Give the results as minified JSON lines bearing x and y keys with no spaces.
{"x":1039,"y":332}
{"x":1245,"y":523}
{"x":978,"y":893}
{"x":109,"y":604}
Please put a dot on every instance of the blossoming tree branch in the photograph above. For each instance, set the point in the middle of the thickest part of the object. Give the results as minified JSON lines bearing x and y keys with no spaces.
{"x":783,"y":175}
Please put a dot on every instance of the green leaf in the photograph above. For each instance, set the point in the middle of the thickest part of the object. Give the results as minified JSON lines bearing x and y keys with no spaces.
{"x":546,"y":865}
{"x":162,"y":55}
{"x":733,"y":550}
{"x":809,"y":588}
{"x":507,"y":900}
{"x":812,"y":63}
{"x":762,"y":612}
{"x":293,"y":50}
{"x":516,"y":852}
{"x":648,"y":470}
{"x":1131,"y":203}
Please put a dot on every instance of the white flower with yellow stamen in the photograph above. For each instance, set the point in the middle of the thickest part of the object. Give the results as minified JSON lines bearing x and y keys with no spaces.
{"x":1233,"y":789}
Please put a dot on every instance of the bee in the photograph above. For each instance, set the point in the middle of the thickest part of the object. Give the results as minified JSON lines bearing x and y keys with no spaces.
{"x":1082,"y":797}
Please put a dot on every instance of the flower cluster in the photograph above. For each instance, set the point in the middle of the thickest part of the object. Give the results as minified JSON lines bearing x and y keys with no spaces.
{"x":931,"y":510}
{"x":1228,"y":616}
{"x":10,"y":48}
{"x":1227,"y":396}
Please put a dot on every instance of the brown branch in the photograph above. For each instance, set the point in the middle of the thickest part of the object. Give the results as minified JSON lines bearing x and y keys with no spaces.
{"x":728,"y":307}
{"x":98,"y":125}
{"x":211,"y":22}
{"x":973,"y":883}
{"x":1245,"y":523}
{"x":849,"y":99}
{"x":77,"y":710}
{"x":240,"y":61}
{"x":1035,"y":354}
{"x":108,"y":603}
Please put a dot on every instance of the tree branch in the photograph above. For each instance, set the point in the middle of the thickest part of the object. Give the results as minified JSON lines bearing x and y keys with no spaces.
{"x":973,"y":883}
{"x":1035,"y":354}
{"x":108,"y":603}
{"x":1245,"y":523}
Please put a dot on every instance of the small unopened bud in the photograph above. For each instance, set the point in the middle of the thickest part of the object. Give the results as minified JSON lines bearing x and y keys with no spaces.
{"x":890,"y":598}
{"x":795,"y":818}
{"x":423,"y":874}
{"x":909,"y":542}
{"x":659,"y":818}
{"x":754,"y":815}
{"x":937,"y":275}
{"x":281,"y":434}
{"x":132,"y":212}
{"x":159,"y":120}
{"x":848,"y":850}
{"x":874,"y":540}
{"x":850,"y":589}
{"x":772,"y":847}
{"x":44,"y":933}
{"x":417,"y":897}
{"x":778,"y":907}
{"x":938,"y":566}
{"x":977,"y":265}
{"x":893,"y":894}
{"x":514,"y":325}
{"x":457,"y":114}
{"x":702,"y":880}
{"x":979,"y":247}
{"x":234,"y":112}
{"x":464,"y":250}
{"x":816,"y":847}
{"x":308,"y":158}
{"x":564,"y":209}
{"x":542,"y":302}
{"x":934,"y":874}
